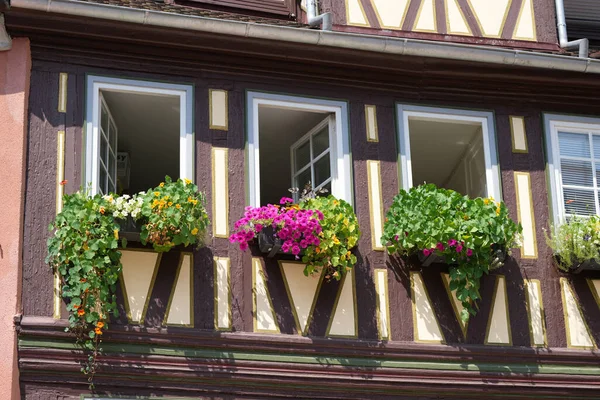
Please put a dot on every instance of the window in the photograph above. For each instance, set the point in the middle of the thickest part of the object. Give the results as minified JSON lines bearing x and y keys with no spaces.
{"x":137,"y":132}
{"x":282,"y":8}
{"x":453,"y":149}
{"x":293,"y":141}
{"x":573,"y":148}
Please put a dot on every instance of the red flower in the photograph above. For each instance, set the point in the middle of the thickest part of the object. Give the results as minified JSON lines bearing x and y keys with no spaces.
{"x":63,"y":182}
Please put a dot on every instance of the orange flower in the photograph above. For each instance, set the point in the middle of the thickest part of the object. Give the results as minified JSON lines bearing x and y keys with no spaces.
{"x":63,"y":182}
{"x":75,"y":306}
{"x":98,"y":331}
{"x":80,"y":312}
{"x":83,"y":280}
{"x":100,"y":324}
{"x":102,"y":210}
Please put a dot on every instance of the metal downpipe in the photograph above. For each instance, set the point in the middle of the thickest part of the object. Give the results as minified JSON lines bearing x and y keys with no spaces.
{"x":314,"y":20}
{"x":5,"y":40}
{"x":563,"y":39}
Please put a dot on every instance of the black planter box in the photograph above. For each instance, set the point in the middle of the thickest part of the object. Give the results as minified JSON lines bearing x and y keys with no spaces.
{"x":589,"y":265}
{"x":433,"y":258}
{"x":270,"y":244}
{"x":130,"y":229}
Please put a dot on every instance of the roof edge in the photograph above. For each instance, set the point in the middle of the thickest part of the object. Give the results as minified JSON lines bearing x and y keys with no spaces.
{"x":370,"y":43}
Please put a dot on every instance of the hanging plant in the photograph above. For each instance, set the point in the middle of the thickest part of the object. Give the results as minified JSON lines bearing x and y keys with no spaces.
{"x":84,"y":249}
{"x":321,"y":231}
{"x":465,"y":233}
{"x":576,"y":244}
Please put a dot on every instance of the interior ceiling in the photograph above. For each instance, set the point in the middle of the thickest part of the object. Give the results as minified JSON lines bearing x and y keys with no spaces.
{"x":148,"y":127}
{"x":279,"y":129}
{"x":436,"y":147}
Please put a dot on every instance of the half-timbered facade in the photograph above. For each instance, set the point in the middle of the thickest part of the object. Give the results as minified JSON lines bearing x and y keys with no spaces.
{"x":113,"y":95}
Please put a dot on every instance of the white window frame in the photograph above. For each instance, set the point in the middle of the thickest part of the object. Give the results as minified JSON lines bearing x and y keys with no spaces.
{"x":485,"y":118}
{"x":327,"y":122}
{"x":339,"y":140}
{"x":552,"y":124}
{"x":94,"y":84}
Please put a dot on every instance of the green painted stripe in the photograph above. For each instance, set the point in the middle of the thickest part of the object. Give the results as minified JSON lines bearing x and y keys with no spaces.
{"x":529,"y":368}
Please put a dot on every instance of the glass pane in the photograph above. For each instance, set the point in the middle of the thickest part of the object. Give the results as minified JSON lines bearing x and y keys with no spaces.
{"x":102,"y":182}
{"x":321,"y":141}
{"x":103,"y":118}
{"x":596,"y":142}
{"x":303,"y":179}
{"x":575,"y":172}
{"x":112,"y":136}
{"x":111,"y":186}
{"x":103,"y":149}
{"x":328,"y":188}
{"x":112,"y":165}
{"x":322,"y":170}
{"x":579,"y":202}
{"x":574,"y":144}
{"x":302,"y":156}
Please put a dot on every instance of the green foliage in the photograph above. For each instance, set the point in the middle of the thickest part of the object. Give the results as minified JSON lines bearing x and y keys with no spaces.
{"x":465,"y":232}
{"x":339,"y":235}
{"x":575,"y":241}
{"x":174,"y":214}
{"x":84,"y":249}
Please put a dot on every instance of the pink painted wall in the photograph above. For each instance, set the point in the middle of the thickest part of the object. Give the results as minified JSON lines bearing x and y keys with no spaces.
{"x":15,"y":68}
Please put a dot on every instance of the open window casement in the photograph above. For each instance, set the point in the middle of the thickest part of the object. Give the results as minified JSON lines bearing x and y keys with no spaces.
{"x":311,"y":158}
{"x":294,"y":141}
{"x":137,"y":132}
{"x":573,"y":151}
{"x":451,"y":148}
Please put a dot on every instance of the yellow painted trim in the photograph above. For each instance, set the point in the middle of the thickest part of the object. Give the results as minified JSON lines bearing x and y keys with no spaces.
{"x":214,"y":204}
{"x":216,"y":294}
{"x":387,"y":305}
{"x":564,"y":283}
{"x":210,"y":113}
{"x":289,"y":293}
{"x":526,"y":282}
{"x":62,"y":92}
{"x":414,"y":28}
{"x":335,"y":305}
{"x":508,"y":5}
{"x":594,"y":292}
{"x":367,"y":107}
{"x":382,"y":25}
{"x":535,"y":247}
{"x":455,"y":308}
{"x":371,"y":204}
{"x":414,"y":311}
{"x":59,"y":192}
{"x":519,"y":20}
{"x":150,"y":288}
{"x":462,"y":15}
{"x":363,"y":13}
{"x":170,"y":302}
{"x":491,"y":316}
{"x":512,"y":134}
{"x":257,"y":261}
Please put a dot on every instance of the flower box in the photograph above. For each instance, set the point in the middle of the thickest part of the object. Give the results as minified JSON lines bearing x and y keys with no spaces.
{"x":434,"y":258}
{"x":588,"y":265}
{"x":269,"y":243}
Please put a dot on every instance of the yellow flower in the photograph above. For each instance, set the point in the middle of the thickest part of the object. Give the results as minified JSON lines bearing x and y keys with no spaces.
{"x":177,"y":206}
{"x":98,"y":331}
{"x":187,"y":181}
{"x":162,"y":184}
{"x":498,"y":210}
{"x":170,"y":204}
{"x":336,"y":240}
{"x":157,"y":194}
{"x":486,"y":201}
{"x":116,"y":233}
{"x":195,"y":231}
{"x":110,"y":199}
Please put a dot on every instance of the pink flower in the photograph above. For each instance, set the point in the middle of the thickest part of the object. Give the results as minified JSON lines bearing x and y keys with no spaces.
{"x":295,"y":249}
{"x":426,"y":252}
{"x":243,"y":246}
{"x":459,"y":248}
{"x":452,"y":242}
{"x":285,"y":200}
{"x":469,"y":252}
{"x":258,"y":227}
{"x":440,"y":246}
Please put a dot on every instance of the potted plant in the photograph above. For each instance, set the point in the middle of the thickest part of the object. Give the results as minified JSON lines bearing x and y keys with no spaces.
{"x":84,"y":249}
{"x":576,"y":244}
{"x":440,"y":225}
{"x":319,"y":230}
